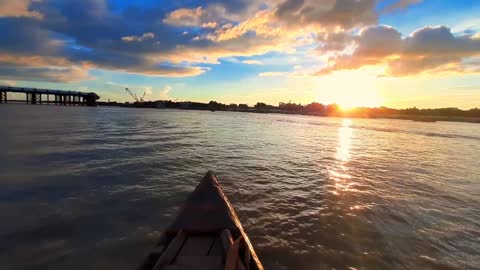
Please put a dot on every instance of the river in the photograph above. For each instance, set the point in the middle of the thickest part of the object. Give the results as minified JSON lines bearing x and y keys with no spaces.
{"x":93,"y":188}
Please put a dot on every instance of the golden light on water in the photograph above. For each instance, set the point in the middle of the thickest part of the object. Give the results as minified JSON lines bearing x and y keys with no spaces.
{"x":344,"y":141}
{"x":339,"y":173}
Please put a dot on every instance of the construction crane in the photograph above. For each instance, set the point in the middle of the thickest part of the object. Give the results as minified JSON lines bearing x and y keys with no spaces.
{"x":142,"y":99}
{"x":134,"y":96}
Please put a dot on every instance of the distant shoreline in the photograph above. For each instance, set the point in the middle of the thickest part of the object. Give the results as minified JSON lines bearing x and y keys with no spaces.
{"x":434,"y":118}
{"x":416,"y":118}
{"x":353,"y":114}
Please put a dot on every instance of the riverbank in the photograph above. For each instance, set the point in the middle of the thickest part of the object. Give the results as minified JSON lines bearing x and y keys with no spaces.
{"x":432,"y":118}
{"x":324,"y":111}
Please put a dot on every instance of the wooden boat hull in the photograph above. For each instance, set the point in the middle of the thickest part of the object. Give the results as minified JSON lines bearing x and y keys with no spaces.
{"x":206,"y":234}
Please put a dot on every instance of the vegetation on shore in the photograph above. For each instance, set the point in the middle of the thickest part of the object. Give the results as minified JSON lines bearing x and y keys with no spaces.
{"x":318,"y":109}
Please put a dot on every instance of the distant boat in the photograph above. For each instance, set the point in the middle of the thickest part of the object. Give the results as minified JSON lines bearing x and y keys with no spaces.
{"x":206,"y":234}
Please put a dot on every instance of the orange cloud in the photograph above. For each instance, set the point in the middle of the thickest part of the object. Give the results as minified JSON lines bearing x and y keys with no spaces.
{"x":47,"y":73}
{"x":429,"y":49}
{"x":259,"y":24}
{"x":400,"y":4}
{"x":34,"y":61}
{"x":227,"y":29}
{"x":18,"y":8}
{"x":197,"y":17}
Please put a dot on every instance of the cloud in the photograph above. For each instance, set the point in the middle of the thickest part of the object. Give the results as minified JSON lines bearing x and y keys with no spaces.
{"x":139,"y":38}
{"x":273,"y":74}
{"x":48,"y":74}
{"x":298,"y":71}
{"x":400,"y":4}
{"x":327,"y":14}
{"x":252,"y":62}
{"x":186,"y":17}
{"x":148,"y":90}
{"x":210,"y":25}
{"x":9,"y":83}
{"x":165,"y":91}
{"x":116,"y":84}
{"x":32,"y":46}
{"x":429,"y":49}
{"x":18,"y":8}
{"x":25,"y":36}
{"x":197,"y":17}
{"x":167,"y":71}
{"x":178,"y":39}
{"x":334,"y":41}
{"x":88,"y":34}
{"x":259,"y":24}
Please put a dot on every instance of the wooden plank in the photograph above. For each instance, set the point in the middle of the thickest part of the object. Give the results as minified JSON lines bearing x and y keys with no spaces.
{"x":227,"y":240}
{"x":157,"y":251}
{"x":171,"y":251}
{"x":233,"y":260}
{"x":247,"y":258}
{"x":217,"y":249}
{"x":197,"y":246}
{"x":232,"y":256}
{"x":199,"y":262}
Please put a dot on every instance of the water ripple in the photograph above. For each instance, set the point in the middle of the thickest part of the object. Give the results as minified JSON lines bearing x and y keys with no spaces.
{"x":94,"y":188}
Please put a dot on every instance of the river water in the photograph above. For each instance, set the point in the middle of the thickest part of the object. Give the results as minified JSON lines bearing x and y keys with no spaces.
{"x":93,"y":188}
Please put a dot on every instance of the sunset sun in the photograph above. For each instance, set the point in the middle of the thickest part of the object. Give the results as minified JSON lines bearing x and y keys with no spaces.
{"x":349,"y":89}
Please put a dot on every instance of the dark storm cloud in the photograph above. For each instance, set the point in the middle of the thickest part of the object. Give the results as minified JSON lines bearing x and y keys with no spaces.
{"x":25,"y":36}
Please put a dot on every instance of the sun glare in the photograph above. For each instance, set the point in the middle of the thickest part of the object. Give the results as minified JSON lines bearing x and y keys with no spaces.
{"x":349,"y":90}
{"x":345,"y":107}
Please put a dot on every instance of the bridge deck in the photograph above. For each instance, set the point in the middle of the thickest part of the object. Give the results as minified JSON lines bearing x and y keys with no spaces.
{"x":43,"y":91}
{"x":61,"y":97}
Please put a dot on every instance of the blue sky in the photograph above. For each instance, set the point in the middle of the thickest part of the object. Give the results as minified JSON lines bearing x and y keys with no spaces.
{"x":398,"y":53}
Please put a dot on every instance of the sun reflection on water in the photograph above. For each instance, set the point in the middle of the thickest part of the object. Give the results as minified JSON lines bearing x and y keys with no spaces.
{"x":344,"y":141}
{"x":340,"y":173}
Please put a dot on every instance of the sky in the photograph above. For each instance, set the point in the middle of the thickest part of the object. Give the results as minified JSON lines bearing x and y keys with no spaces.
{"x":395,"y":53}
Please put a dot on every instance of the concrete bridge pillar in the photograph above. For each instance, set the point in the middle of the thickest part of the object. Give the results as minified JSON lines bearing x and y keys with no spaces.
{"x":31,"y":98}
{"x":38,"y":98}
{"x":3,"y":97}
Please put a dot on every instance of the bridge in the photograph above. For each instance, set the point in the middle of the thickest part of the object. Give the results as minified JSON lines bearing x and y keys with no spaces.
{"x":48,"y":96}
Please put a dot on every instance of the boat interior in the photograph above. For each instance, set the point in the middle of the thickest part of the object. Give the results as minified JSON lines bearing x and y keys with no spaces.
{"x":188,"y":251}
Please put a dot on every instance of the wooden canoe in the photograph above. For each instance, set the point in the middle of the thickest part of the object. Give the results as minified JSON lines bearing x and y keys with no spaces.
{"x":206,"y":234}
